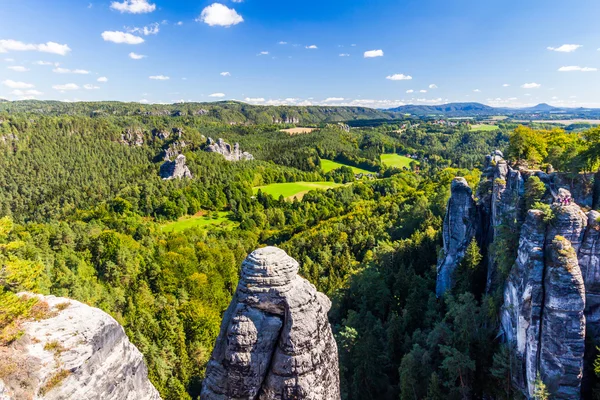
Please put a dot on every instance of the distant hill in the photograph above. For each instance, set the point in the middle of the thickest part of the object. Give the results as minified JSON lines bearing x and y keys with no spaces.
{"x":451,"y":109}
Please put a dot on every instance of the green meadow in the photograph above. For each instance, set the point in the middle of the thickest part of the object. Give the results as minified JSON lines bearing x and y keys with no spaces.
{"x":396,"y":160}
{"x":484,"y":127}
{"x":328,"y":165}
{"x":294,"y":189}
{"x":193,"y":221}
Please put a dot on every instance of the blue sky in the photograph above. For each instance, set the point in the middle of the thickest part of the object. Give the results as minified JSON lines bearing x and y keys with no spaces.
{"x":349,"y":52}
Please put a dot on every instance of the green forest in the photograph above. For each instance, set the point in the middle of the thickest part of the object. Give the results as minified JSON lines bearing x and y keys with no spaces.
{"x":83,"y":207}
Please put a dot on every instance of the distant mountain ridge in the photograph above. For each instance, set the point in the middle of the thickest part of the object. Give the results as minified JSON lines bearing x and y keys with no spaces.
{"x":478,"y":109}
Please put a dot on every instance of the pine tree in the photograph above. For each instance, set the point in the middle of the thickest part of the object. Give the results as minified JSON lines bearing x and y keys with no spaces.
{"x":541,"y":391}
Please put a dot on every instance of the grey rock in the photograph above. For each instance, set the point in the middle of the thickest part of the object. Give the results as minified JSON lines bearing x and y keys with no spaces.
{"x":133,"y":137}
{"x":459,"y":229}
{"x":275,"y":340}
{"x":88,"y":343}
{"x":589,"y":262}
{"x":230,"y":153}
{"x":175,"y":169}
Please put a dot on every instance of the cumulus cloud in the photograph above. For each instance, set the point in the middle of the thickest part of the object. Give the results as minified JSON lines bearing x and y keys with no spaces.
{"x":330,"y":99}
{"x":9,"y":59}
{"x":151,"y":29}
{"x":423,"y":91}
{"x":65,"y":87}
{"x":26,"y":93}
{"x":433,"y":86}
{"x":159,"y":77}
{"x":133,"y":6}
{"x":410,"y":91}
{"x":225,"y":73}
{"x":477,"y":91}
{"x":373,"y":53}
{"x":18,"y":68}
{"x":135,"y":56}
{"x":90,"y":87}
{"x":70,"y":71}
{"x":399,"y":77}
{"x":430,"y":101}
{"x":344,"y":55}
{"x":121,"y":37}
{"x":573,"y":68}
{"x":47,"y":63}
{"x":102,"y":79}
{"x":48,"y":47}
{"x":506,"y":85}
{"x":565,"y":48}
{"x":254,"y":100}
{"x":219,"y":15}
{"x":282,"y":42}
{"x":263,"y":53}
{"x":217,"y":95}
{"x":312,"y":47}
{"x":179,"y":23}
{"x":17,"y":85}
{"x":531,"y":85}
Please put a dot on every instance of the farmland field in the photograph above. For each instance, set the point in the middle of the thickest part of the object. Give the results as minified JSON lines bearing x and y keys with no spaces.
{"x":294,"y":189}
{"x":484,"y":127}
{"x":328,"y":165}
{"x":396,"y":160}
{"x":298,"y":131}
{"x":183,"y":223}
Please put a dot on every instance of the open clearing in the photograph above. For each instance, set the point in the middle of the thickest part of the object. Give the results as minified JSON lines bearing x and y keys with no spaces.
{"x":328,"y":165}
{"x":187,"y":222}
{"x":484,"y":127}
{"x":298,"y":131}
{"x":293,"y":190}
{"x":396,"y":160}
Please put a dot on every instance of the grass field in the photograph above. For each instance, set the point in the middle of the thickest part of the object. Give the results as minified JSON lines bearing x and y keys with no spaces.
{"x":328,"y":165}
{"x":484,"y":127}
{"x":221,"y":218}
{"x":294,"y":189}
{"x":298,"y":131}
{"x":396,"y":160}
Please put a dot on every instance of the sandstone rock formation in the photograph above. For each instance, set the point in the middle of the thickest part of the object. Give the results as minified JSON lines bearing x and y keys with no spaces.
{"x":275,"y":340}
{"x":459,"y":229}
{"x":79,"y":352}
{"x":133,"y":137}
{"x":175,"y":169}
{"x":225,"y":149}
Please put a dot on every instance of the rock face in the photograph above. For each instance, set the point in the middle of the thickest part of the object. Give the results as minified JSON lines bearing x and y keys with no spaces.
{"x":225,"y":149}
{"x":79,"y":353}
{"x":275,"y":340}
{"x":552,"y":292}
{"x":175,"y":169}
{"x":459,"y":229}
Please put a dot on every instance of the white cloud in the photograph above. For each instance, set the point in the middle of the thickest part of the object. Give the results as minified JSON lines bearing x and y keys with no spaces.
{"x":254,"y":100}
{"x":68,"y":86}
{"x":399,"y":77}
{"x":532,"y":85}
{"x":312,"y":47}
{"x":282,"y":42}
{"x":576,"y":68}
{"x":48,"y":47}
{"x":423,"y":91}
{"x":9,"y":59}
{"x":263,"y":53}
{"x":151,"y":29}
{"x":477,"y":91}
{"x":566,"y":48}
{"x":136,"y":56}
{"x":179,"y":23}
{"x":90,"y":87}
{"x":225,"y":74}
{"x":219,"y":15}
{"x":17,"y":85}
{"x":133,"y":6}
{"x":121,"y":37}
{"x":18,"y":68}
{"x":159,"y":77}
{"x":26,"y":93}
{"x":70,"y":71}
{"x":433,"y":86}
{"x":410,"y":91}
{"x":373,"y":53}
{"x":430,"y":101}
{"x":144,"y":101}
{"x":102,"y":79}
{"x":344,"y":55}
{"x":47,"y":63}
{"x":506,"y":85}
{"x":217,"y":95}
{"x":330,"y":99}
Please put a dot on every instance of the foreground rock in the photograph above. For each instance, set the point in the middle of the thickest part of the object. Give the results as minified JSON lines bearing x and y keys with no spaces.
{"x":79,"y":352}
{"x":175,"y":169}
{"x":275,"y":340}
{"x":230,"y":153}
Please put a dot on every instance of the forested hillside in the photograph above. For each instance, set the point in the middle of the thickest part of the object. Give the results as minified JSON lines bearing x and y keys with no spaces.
{"x":89,"y":208}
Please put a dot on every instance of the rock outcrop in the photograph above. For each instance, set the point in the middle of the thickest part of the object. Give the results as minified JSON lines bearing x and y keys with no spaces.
{"x":79,"y":352}
{"x":175,"y":169}
{"x":459,"y":229}
{"x":230,"y":153}
{"x":275,"y":340}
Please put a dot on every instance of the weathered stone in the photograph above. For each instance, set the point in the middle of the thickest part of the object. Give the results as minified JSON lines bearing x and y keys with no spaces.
{"x":85,"y":346}
{"x":225,"y":149}
{"x":175,"y":169}
{"x":459,"y":229}
{"x":589,"y":262}
{"x":275,"y":340}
